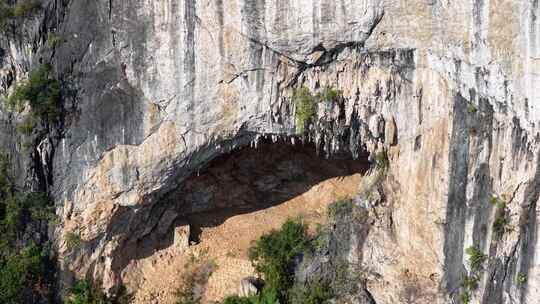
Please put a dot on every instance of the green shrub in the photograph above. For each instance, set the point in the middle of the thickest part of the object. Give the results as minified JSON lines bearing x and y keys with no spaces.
{"x":267,"y":296}
{"x":40,"y":92}
{"x":501,"y":221}
{"x":470,"y":282}
{"x":26,"y":8}
{"x":476,"y":258}
{"x":315,"y":294}
{"x":273,"y":254}
{"x":84,"y":293}
{"x":306,"y":107}
{"x":19,"y":271}
{"x":465,"y":298}
{"x":238,"y":300}
{"x":500,"y":224}
{"x":54,"y":40}
{"x":330,"y":94}
{"x":381,"y":161}
{"x":521,"y":278}
{"x":342,"y":206}
{"x":496,"y":201}
{"x":5,"y":185}
{"x":18,"y":208}
{"x":22,"y":268}
{"x":73,"y":241}
{"x":22,"y":9}
{"x":27,"y":126}
{"x":6,"y":15}
{"x":471,"y":108}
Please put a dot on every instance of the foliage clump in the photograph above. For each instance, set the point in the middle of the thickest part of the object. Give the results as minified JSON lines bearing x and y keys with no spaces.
{"x":84,"y":293}
{"x":316,"y":294}
{"x":307,"y":104}
{"x":465,"y":298}
{"x":41,"y":92}
{"x":471,"y":108}
{"x":343,"y":206}
{"x":19,"y":270}
{"x":470,"y":282}
{"x":267,"y":296}
{"x":73,"y":241}
{"x":26,"y":8}
{"x":330,"y":94}
{"x":476,"y":258}
{"x":501,"y":222}
{"x":23,"y":264}
{"x":54,"y":40}
{"x":306,"y":107}
{"x":521,"y":278}
{"x":381,"y":160}
{"x":22,"y":9}
{"x":498,"y":202}
{"x":273,"y":256}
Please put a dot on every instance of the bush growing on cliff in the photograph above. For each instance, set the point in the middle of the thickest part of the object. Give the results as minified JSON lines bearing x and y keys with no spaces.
{"x":73,"y":241}
{"x":26,"y":8}
{"x":500,"y":224}
{"x":470,"y":282}
{"x":19,"y":271}
{"x":306,"y":107}
{"x":41,"y":92}
{"x":314,"y":294}
{"x":84,"y":293}
{"x":273,"y":254}
{"x":54,"y":40}
{"x":330,"y":94}
{"x":381,"y":161}
{"x":476,"y":258}
{"x":22,"y":9}
{"x":342,"y":206}
{"x":267,"y":296}
{"x":22,"y":262}
{"x":307,"y":104}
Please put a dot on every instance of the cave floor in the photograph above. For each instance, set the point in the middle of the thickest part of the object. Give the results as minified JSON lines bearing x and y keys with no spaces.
{"x":155,"y":279}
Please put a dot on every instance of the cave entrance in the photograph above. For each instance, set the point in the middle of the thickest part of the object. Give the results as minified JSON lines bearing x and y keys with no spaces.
{"x":231,"y":202}
{"x":252,"y":179}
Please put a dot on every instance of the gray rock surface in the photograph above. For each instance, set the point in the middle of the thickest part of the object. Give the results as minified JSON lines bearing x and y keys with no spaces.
{"x":154,"y":90}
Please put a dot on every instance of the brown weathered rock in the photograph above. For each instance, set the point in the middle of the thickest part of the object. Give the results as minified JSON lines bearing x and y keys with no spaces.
{"x":181,"y":237}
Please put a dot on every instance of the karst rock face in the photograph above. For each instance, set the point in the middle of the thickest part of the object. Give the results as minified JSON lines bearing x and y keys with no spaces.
{"x":158,"y":89}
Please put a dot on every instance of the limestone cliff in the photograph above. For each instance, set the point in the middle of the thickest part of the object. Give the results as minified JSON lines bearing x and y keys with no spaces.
{"x":155,"y":91}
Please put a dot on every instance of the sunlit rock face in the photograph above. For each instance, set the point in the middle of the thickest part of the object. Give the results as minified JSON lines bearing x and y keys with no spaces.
{"x":449,"y":88}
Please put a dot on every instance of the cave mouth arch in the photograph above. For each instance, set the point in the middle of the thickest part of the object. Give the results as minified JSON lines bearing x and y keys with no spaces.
{"x":243,"y":181}
{"x":249,"y":179}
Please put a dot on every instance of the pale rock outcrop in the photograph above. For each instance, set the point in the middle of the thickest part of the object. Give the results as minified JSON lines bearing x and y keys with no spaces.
{"x":248,"y":287}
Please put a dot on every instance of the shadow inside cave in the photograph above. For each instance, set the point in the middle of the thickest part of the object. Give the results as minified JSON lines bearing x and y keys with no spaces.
{"x":242,"y":181}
